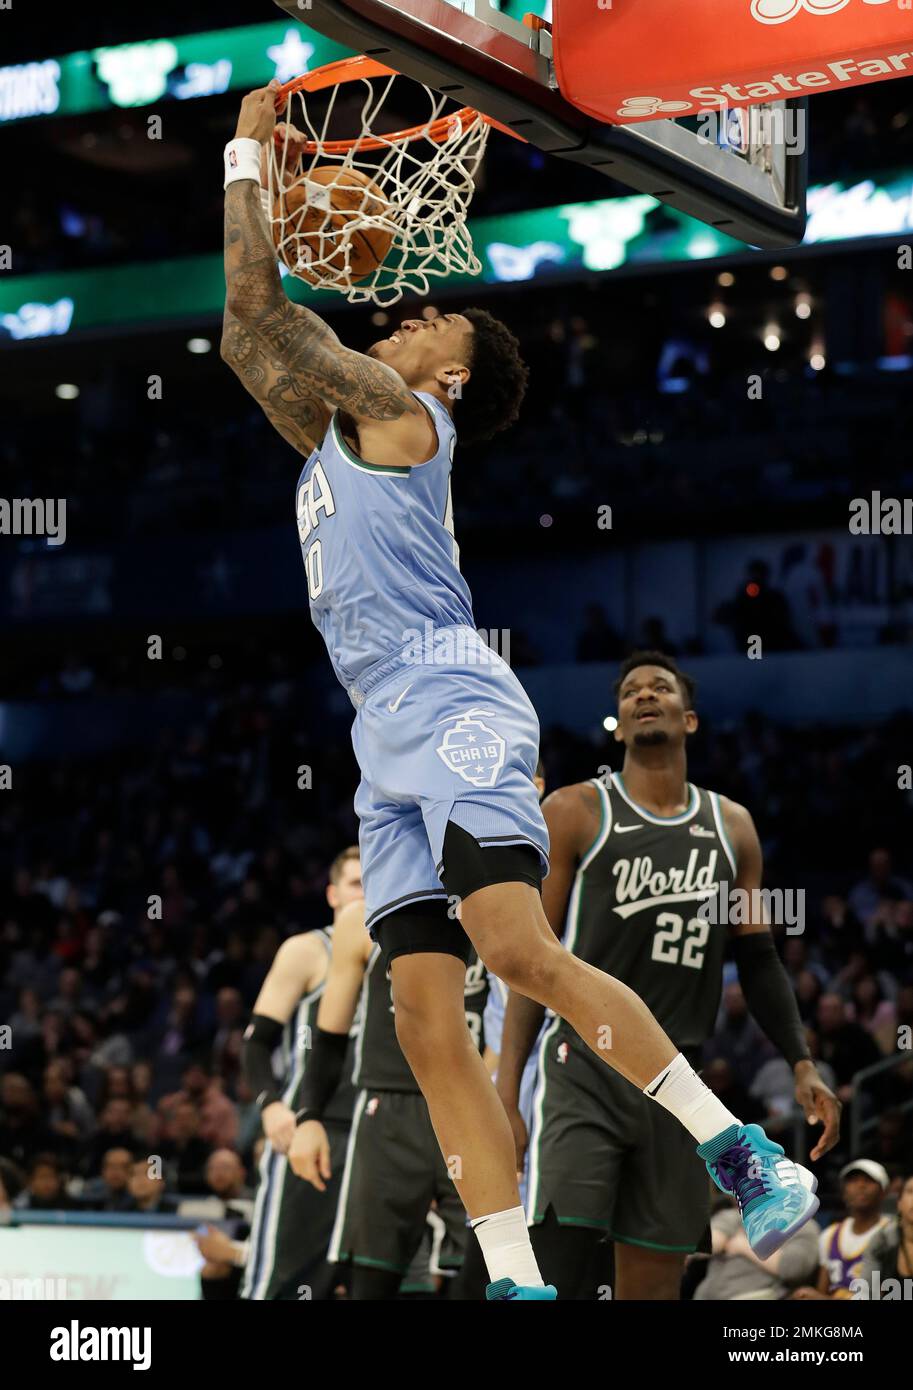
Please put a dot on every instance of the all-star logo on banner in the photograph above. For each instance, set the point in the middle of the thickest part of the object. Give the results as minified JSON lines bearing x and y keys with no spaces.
{"x":661,"y":58}
{"x":472,"y":748}
{"x":779,"y":11}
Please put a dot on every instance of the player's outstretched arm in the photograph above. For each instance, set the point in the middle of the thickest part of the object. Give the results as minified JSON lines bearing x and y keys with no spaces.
{"x":309,"y":349}
{"x":766,"y":986}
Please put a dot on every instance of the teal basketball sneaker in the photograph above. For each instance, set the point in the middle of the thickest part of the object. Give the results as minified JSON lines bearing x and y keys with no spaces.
{"x":505,"y":1290}
{"x":776,"y":1196}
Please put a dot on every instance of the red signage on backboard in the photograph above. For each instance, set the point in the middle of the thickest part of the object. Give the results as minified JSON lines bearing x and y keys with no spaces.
{"x":637,"y":60}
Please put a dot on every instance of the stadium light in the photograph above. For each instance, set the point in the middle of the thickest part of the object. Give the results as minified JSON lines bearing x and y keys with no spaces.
{"x":66,"y":391}
{"x":772,"y":338}
{"x":610,"y":723}
{"x":717,"y":317}
{"x":199,"y":345}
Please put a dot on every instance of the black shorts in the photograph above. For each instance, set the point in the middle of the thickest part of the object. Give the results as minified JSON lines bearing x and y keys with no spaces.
{"x":291,"y":1228}
{"x":394,"y":1172}
{"x":603,"y":1155}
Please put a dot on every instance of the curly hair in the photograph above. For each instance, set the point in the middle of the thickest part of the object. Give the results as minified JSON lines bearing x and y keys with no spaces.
{"x":491,"y":399}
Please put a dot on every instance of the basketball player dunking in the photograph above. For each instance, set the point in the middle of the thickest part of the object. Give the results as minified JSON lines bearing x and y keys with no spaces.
{"x":447,"y":741}
{"x":632,"y":861}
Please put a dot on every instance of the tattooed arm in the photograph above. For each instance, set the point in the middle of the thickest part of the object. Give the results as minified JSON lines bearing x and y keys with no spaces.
{"x":387,"y":420}
{"x":316,"y":363}
{"x":299,"y":416}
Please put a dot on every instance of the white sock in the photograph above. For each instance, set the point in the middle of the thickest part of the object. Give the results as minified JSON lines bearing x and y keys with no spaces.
{"x":504,"y":1238}
{"x":680,"y":1090}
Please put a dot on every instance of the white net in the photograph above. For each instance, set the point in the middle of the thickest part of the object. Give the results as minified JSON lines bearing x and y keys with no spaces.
{"x":373,"y":214}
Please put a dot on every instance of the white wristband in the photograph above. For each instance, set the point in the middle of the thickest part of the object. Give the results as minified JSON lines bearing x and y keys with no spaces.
{"x":242,"y":161}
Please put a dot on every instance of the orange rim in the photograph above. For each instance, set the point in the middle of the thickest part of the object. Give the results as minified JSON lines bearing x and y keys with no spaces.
{"x":350,"y":70}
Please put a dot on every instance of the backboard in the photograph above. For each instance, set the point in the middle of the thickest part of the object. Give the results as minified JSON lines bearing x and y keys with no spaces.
{"x":746,"y":180}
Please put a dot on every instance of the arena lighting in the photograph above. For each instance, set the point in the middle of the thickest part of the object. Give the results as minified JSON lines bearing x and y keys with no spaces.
{"x":199,"y":345}
{"x":380,"y":318}
{"x":803,"y":306}
{"x":66,"y":391}
{"x":610,"y":723}
{"x":717,"y":317}
{"x":726,"y":278}
{"x":817,"y":361}
{"x":779,"y":272}
{"x":752,"y":589}
{"x":430,"y":312}
{"x":772,"y":338}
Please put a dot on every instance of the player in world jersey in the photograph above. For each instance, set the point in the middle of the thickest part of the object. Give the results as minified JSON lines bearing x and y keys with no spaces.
{"x":444,"y":734}
{"x":292,"y":1223}
{"x":394,"y":1168}
{"x":639,"y":864}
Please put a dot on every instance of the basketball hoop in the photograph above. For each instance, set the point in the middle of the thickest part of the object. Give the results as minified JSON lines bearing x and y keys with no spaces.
{"x":375,"y":214}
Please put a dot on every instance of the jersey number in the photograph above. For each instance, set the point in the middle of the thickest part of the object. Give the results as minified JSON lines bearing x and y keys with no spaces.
{"x":313,"y":568}
{"x":666,"y":945}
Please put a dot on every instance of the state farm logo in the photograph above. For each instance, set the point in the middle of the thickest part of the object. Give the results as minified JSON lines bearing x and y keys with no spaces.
{"x":779,"y":11}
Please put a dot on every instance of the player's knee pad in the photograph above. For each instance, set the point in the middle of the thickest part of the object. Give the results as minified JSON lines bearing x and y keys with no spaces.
{"x":468,"y":866}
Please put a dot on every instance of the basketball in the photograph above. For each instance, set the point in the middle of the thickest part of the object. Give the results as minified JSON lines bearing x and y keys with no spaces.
{"x":309,"y":227}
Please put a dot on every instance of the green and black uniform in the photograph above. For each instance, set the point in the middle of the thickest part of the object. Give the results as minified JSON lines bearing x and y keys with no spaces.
{"x":602,"y":1154}
{"x":394,"y":1167}
{"x":292,"y":1221}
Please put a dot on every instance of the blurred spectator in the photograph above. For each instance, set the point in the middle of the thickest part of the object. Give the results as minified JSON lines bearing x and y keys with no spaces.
{"x":735,"y":1272}
{"x":67,"y":1112}
{"x":148,"y":1190}
{"x":758,"y":610}
{"x":737,"y":1038}
{"x":722,"y":1081}
{"x":23,"y":1133}
{"x":843,"y":1245}
{"x":115,"y":1131}
{"x":874,"y":1013}
{"x":845,"y":1046}
{"x":892,"y":1145}
{"x":111,"y":1191}
{"x":596,"y":640}
{"x":806,"y":595}
{"x":654,"y":637}
{"x":225,"y":1177}
{"x":774,"y":1086}
{"x":12,"y":1181}
{"x":218,"y":1117}
{"x":880,"y":889}
{"x":44,"y":1189}
{"x":890,"y":1252}
{"x":185,"y":1154}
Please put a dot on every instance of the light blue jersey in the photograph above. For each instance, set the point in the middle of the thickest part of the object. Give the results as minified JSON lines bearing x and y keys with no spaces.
{"x":444,"y":732}
{"x":378,"y":547}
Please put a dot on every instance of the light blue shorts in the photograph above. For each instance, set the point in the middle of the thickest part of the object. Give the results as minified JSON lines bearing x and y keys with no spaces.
{"x":451,"y":737}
